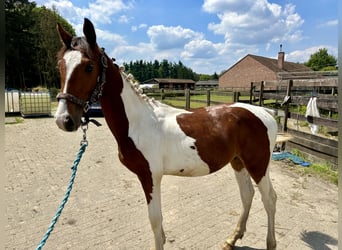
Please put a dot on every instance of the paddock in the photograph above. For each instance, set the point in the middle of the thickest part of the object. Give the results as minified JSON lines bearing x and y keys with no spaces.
{"x":107,"y":207}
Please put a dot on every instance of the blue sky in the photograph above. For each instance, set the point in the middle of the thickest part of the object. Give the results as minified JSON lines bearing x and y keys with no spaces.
{"x":208,"y":36}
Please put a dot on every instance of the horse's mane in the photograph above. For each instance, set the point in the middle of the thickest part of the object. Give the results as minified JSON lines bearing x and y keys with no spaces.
{"x":136,"y":88}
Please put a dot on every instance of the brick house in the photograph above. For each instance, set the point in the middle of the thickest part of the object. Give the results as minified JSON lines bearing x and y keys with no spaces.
{"x":254,"y":68}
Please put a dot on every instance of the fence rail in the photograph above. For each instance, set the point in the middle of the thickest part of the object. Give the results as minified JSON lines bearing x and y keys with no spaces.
{"x":314,"y":145}
{"x":291,"y":93}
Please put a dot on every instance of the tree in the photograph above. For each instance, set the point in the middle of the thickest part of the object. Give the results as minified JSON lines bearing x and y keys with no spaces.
{"x":48,"y":44}
{"x":32,"y":43}
{"x":20,"y":45}
{"x":215,"y":76}
{"x":143,"y":70}
{"x":321,"y":60}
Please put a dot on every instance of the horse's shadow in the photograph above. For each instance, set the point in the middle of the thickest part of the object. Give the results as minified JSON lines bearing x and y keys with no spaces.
{"x":317,"y":240}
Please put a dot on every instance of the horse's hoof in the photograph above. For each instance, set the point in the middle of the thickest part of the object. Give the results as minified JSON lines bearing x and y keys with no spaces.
{"x":227,"y":246}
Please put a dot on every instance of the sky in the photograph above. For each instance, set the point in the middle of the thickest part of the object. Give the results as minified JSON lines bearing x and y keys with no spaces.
{"x":208,"y":36}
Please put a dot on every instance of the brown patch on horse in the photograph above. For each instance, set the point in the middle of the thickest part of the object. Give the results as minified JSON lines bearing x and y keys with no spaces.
{"x":223,"y":133}
{"x":116,"y":118}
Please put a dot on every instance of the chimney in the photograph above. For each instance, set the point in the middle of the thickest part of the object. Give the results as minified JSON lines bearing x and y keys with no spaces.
{"x":281,"y":58}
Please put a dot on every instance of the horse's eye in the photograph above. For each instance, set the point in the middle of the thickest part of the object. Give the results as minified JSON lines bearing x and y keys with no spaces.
{"x":89,"y":68}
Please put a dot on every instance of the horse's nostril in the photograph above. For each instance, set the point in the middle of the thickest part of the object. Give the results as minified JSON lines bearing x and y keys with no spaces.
{"x":68,"y":123}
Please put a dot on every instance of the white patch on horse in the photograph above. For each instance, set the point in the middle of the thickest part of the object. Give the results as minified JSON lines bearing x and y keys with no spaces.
{"x":269,"y":199}
{"x":214,"y":111}
{"x":158,"y":126}
{"x":61,"y":108}
{"x":176,"y":143}
{"x":72,"y":59}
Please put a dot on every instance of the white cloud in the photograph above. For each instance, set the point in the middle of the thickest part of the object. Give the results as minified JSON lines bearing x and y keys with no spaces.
{"x":126,"y":53}
{"x":330,"y":23}
{"x":99,"y":11}
{"x":254,"y":22}
{"x":124,"y":19}
{"x":140,"y":26}
{"x":200,"y":49}
{"x":215,"y":6}
{"x":103,"y":36}
{"x":304,"y":54}
{"x":110,"y":37}
{"x":171,"y":37}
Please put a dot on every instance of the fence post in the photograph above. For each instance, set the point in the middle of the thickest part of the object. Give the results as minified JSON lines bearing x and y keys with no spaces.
{"x":187,"y":99}
{"x":208,"y":97}
{"x":287,"y":104}
{"x":261,"y":95}
{"x":235,"y":96}
{"x":162,"y":94}
{"x":332,"y":93}
{"x":251,"y":93}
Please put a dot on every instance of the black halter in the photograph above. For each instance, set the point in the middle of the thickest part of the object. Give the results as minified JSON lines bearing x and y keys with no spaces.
{"x":97,"y":92}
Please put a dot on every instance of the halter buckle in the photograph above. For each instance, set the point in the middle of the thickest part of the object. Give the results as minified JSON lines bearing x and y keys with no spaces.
{"x":104,"y":61}
{"x":86,"y":107}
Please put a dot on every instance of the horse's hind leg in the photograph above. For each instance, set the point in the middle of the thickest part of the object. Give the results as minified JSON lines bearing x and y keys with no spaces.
{"x":246,"y":194}
{"x":269,"y":198}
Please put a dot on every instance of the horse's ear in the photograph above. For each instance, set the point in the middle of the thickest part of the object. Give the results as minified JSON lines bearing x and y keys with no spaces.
{"x":89,"y":32}
{"x":64,"y":35}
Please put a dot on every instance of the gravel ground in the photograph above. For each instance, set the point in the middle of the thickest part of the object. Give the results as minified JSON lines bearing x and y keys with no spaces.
{"x":107,"y":210}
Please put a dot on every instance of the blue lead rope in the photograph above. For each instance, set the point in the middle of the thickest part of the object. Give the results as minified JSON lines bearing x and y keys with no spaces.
{"x":84,"y":144}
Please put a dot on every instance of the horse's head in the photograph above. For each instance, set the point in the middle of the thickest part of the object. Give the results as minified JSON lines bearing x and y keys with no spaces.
{"x":81,"y":65}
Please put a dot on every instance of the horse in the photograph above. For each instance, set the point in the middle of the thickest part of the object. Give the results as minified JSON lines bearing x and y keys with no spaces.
{"x":155,"y":139}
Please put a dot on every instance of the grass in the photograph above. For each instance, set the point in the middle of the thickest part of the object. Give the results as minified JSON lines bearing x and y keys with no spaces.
{"x":197,"y":101}
{"x":321,"y":169}
{"x":16,"y":120}
{"x":213,"y":98}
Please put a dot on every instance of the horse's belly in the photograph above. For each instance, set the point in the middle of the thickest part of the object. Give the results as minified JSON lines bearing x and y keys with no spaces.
{"x":185,"y":165}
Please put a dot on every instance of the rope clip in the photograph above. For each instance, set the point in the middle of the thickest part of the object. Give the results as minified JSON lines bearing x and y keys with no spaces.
{"x":84,"y":128}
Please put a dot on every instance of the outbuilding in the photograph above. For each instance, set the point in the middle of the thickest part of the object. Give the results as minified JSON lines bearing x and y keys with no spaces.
{"x":253,"y":68}
{"x":171,"y":83}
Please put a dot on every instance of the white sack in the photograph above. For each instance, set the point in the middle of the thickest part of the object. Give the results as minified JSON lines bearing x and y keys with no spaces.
{"x":312,"y":110}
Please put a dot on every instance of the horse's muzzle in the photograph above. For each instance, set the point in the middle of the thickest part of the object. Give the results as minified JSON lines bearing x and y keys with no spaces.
{"x":66,"y":123}
{"x":65,"y":120}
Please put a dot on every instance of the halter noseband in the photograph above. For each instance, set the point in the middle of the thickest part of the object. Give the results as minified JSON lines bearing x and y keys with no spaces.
{"x":97,"y":92}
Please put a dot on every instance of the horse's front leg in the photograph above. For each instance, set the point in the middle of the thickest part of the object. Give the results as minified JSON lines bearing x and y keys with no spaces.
{"x":154,"y":211}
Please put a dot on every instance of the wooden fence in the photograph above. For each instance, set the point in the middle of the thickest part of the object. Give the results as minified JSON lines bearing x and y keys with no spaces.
{"x":291,"y":95}
{"x":186,"y":98}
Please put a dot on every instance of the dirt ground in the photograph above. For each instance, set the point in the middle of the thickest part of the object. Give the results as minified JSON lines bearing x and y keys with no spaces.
{"x":107,"y":210}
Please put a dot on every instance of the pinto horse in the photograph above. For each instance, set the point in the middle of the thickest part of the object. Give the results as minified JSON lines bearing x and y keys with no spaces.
{"x":155,"y":139}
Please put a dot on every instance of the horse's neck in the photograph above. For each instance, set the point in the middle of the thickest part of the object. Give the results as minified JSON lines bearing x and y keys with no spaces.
{"x":126,"y":110}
